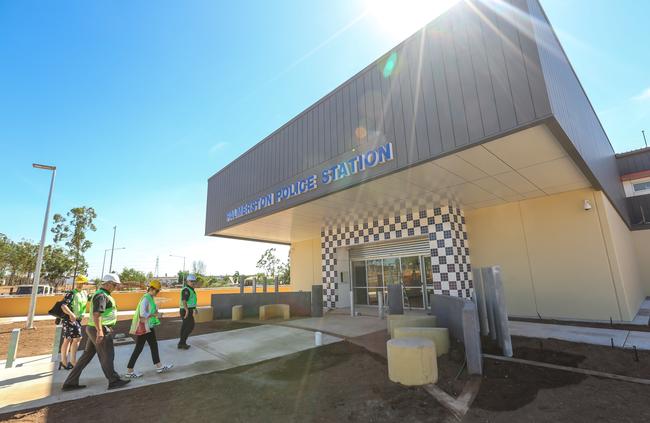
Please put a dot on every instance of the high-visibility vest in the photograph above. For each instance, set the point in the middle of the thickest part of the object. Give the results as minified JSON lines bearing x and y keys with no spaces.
{"x":109,"y":316}
{"x":151,"y":321}
{"x":191,"y":302}
{"x":78,"y":303}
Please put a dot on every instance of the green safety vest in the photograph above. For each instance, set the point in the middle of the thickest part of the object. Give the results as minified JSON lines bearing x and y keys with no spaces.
{"x":191,"y":302}
{"x":109,"y":316}
{"x":78,"y":303}
{"x":152,"y":320}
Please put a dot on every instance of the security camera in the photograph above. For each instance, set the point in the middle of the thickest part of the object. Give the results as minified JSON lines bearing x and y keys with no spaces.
{"x":587,"y":205}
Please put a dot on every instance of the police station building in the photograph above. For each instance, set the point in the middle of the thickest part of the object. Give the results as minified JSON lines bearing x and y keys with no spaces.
{"x":472,"y":143}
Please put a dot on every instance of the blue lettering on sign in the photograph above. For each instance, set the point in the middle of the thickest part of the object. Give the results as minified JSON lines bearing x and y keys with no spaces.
{"x":344,"y":169}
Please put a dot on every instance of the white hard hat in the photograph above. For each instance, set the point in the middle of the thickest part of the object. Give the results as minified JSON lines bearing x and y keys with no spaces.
{"x":111,"y":277}
{"x":191,"y":277}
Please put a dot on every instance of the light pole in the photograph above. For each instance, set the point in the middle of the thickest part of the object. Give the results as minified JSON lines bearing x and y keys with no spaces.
{"x":110,"y":265}
{"x":183,"y":257}
{"x":104,"y":261}
{"x":39,"y":259}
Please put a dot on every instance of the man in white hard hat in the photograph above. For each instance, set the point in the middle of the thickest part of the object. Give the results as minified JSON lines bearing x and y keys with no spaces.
{"x":99,"y":336}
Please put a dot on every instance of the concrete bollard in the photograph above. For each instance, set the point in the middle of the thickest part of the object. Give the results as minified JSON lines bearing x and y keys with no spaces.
{"x":13,"y":348}
{"x":318,"y":338}
{"x":57,"y":343}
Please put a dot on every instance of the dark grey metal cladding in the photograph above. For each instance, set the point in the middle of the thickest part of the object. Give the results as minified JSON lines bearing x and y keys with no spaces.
{"x":578,"y":127}
{"x":633,"y":161}
{"x":639,"y":207}
{"x":467,"y":77}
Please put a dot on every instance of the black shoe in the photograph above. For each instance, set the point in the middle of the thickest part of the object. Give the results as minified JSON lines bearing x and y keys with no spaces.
{"x":61,"y":366}
{"x":118,"y":384}
{"x":184,"y":347}
{"x":69,"y":367}
{"x":72,"y":387}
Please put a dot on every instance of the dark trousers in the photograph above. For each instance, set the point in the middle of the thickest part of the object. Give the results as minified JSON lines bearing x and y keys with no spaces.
{"x":149,"y":338}
{"x":188,"y":325}
{"x":105,"y":352}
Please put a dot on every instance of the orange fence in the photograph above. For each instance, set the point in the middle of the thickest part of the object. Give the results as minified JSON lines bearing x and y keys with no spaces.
{"x":17,"y":305}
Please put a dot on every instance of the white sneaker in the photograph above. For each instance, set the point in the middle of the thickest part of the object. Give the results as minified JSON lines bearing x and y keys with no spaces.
{"x":164,"y":368}
{"x":133,"y":375}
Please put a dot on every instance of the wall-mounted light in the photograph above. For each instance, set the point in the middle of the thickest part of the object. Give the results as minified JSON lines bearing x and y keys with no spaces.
{"x":586,"y":205}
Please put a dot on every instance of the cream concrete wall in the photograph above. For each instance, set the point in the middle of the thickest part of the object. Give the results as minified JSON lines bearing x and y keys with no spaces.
{"x":641,"y":241}
{"x":305,"y":259}
{"x":555,"y":258}
{"x":622,"y":257}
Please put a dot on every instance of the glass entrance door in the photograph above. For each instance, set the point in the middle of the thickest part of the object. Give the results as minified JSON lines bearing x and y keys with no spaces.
{"x":412,"y":282}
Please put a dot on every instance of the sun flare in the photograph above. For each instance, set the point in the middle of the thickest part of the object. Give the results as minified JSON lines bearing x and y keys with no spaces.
{"x":399,"y":19}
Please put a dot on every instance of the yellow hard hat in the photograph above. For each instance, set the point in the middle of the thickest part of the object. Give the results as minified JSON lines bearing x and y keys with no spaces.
{"x":81,"y":279}
{"x":155,"y":283}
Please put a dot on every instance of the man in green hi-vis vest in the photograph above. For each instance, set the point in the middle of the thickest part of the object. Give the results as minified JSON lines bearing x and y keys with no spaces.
{"x":102,"y":318}
{"x":188,"y":308}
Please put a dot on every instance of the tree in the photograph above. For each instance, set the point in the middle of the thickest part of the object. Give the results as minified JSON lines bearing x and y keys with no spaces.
{"x":268,"y":262}
{"x":57,"y":265}
{"x":284,"y":272}
{"x":182,"y":276}
{"x":131,"y":275}
{"x":22,"y":260}
{"x":5,"y":252}
{"x":198,"y":267}
{"x":72,"y":229}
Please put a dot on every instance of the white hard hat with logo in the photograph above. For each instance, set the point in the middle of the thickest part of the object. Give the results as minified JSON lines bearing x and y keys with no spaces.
{"x":191,"y":277}
{"x":111,"y":277}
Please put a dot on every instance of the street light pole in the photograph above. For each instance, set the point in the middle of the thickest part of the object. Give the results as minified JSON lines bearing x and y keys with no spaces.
{"x":110,"y":266}
{"x":39,"y":258}
{"x":104,"y":261}
{"x":183,"y":257}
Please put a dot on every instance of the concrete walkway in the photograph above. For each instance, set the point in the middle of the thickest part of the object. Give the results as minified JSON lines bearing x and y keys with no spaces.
{"x":587,"y":335}
{"x":338,"y":324}
{"x":34,"y":382}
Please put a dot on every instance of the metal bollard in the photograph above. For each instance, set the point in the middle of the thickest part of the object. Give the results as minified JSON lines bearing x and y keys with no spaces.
{"x":13,"y":348}
{"x":264,"y":286}
{"x":57,"y":343}
{"x":277,"y":283}
{"x":255,"y":286}
{"x":241,"y":285}
{"x":318,"y":339}
{"x":352,"y":303}
{"x":380,"y":297}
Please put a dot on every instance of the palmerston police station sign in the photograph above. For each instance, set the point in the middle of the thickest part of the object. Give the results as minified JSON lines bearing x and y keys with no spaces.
{"x":342,"y":170}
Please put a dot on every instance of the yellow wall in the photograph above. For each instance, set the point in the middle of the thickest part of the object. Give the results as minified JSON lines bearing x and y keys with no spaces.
{"x":12,"y":306}
{"x":556,"y":259}
{"x":622,"y":257}
{"x":305,"y":259}
{"x":641,"y":241}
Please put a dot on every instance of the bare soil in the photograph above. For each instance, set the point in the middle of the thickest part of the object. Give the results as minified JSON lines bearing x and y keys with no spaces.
{"x":601,"y":325}
{"x":40,"y":341}
{"x":340,"y":382}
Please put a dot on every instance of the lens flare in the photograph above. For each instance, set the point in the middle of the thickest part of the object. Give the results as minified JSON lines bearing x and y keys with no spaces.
{"x":360,"y":133}
{"x":391,"y":62}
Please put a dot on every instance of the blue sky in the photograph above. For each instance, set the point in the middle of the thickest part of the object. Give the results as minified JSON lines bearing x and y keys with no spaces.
{"x":138,"y":103}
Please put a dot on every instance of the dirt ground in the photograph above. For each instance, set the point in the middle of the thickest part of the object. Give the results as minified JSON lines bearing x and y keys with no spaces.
{"x":340,"y":382}
{"x":620,"y":326}
{"x":40,"y":341}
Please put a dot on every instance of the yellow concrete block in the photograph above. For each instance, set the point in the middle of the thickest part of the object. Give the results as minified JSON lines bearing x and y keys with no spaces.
{"x":237,"y":312}
{"x":204,"y":314}
{"x":409,"y":320}
{"x":439,"y":336}
{"x":412,"y":361}
{"x":271,"y":311}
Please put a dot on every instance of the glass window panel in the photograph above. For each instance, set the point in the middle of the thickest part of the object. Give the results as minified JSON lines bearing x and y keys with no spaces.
{"x":373,"y":296}
{"x":374,"y":274}
{"x":428,"y":274}
{"x":359,"y":273}
{"x":391,"y":271}
{"x":642,"y":186}
{"x":414,"y":298}
{"x":411,"y":271}
{"x":360,"y":296}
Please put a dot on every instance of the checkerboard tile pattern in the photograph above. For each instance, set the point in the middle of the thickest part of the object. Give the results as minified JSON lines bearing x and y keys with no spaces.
{"x":444,"y":226}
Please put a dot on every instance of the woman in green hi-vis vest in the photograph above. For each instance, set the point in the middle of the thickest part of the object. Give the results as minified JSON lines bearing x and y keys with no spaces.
{"x":145,"y":319}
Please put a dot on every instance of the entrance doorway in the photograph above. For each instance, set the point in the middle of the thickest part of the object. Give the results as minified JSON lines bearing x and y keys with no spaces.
{"x":371,"y":278}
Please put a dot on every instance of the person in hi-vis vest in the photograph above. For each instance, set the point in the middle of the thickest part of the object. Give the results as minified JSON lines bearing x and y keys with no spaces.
{"x":145,"y":319}
{"x":187,"y":309}
{"x":102,"y":318}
